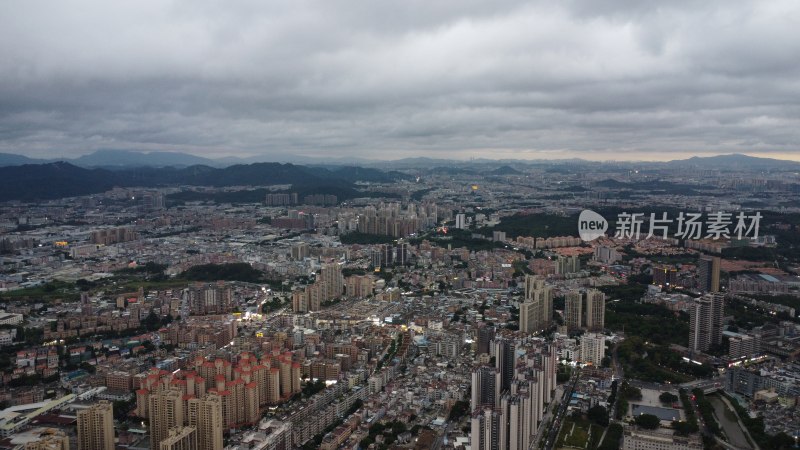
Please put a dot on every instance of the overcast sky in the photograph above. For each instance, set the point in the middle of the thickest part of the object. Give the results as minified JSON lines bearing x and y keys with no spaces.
{"x":601,"y":79}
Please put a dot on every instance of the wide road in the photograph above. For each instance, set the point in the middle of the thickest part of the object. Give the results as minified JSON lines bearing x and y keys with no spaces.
{"x":551,"y":409}
{"x":552,"y":436}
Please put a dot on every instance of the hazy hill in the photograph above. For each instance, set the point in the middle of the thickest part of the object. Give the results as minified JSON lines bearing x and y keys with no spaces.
{"x":735,"y":162}
{"x":127,"y":158}
{"x":57,"y":180}
{"x":9,"y":159}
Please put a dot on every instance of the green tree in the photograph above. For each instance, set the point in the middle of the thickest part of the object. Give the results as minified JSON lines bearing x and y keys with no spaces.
{"x":668,"y":397}
{"x":459,"y":409}
{"x":599,"y":415}
{"x":647,"y":421}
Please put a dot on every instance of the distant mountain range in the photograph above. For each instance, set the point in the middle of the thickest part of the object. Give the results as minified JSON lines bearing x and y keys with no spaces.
{"x":735,"y":161}
{"x":49,"y":181}
{"x":119,"y":159}
{"x":8,"y":159}
{"x":116,"y":159}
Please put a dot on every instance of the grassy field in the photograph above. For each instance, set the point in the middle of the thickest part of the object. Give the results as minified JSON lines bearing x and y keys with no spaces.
{"x":48,"y":291}
{"x":579,"y":434}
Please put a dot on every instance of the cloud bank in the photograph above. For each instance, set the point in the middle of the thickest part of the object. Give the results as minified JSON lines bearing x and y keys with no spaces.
{"x":380,"y":79}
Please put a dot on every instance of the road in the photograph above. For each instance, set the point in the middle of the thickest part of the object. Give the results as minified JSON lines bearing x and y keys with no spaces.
{"x":619,"y":372}
{"x":552,"y":435}
{"x":440,"y":440}
{"x":546,"y":417}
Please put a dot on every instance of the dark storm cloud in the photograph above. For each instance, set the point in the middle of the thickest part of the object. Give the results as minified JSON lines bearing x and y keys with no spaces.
{"x":391,"y":79}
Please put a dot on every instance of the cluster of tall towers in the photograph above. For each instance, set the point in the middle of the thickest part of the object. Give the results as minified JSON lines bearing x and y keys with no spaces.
{"x":508,"y":399}
{"x":536,"y":311}
{"x":329,"y":285}
{"x":585,"y":310}
{"x":213,"y":395}
{"x":388,"y":255}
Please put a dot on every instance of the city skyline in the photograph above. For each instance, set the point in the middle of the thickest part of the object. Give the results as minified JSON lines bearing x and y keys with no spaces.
{"x":446,"y":225}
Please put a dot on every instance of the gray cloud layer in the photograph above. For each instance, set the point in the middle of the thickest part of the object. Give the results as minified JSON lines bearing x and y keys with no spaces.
{"x":381,"y":79}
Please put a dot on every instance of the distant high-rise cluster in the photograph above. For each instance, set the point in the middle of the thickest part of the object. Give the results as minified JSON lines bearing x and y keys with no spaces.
{"x":299,"y":251}
{"x":550,"y":242}
{"x":705,"y":321}
{"x":210,"y":298}
{"x":359,"y":286}
{"x":213,"y":395}
{"x":665,"y":276}
{"x":585,"y":310}
{"x":320,"y":200}
{"x":219,"y":330}
{"x":388,"y":255}
{"x":606,"y":255}
{"x":536,"y":311}
{"x":566,"y":265}
{"x":391,"y":220}
{"x":508,"y":399}
{"x":289,"y":199}
{"x":328,"y":286}
{"x":281,"y":199}
{"x":108,"y":236}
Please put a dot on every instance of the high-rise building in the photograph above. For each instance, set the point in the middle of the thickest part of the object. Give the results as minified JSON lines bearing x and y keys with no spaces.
{"x":485,"y":337}
{"x":376,"y":257}
{"x":461,"y":221}
{"x":401,"y":251}
{"x":585,"y":310}
{"x":536,"y":311}
{"x":359,"y":286}
{"x":593,"y":348}
{"x":525,"y":380}
{"x":165,"y":412}
{"x":708,"y":268}
{"x":488,"y":430}
{"x":331,"y":275}
{"x":485,"y":390}
{"x":210,"y":298}
{"x":528,"y":316}
{"x":744,"y":345}
{"x":665,"y":276}
{"x":595,"y":310}
{"x":96,"y":427}
{"x":206,"y":417}
{"x":567,"y":265}
{"x":705,"y":321}
{"x":387,"y":255}
{"x":299,"y":251}
{"x":606,"y":255}
{"x":522,"y":408}
{"x":505,"y":361}
{"x":179,"y":438}
{"x":573,"y":310}
{"x":299,"y":301}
